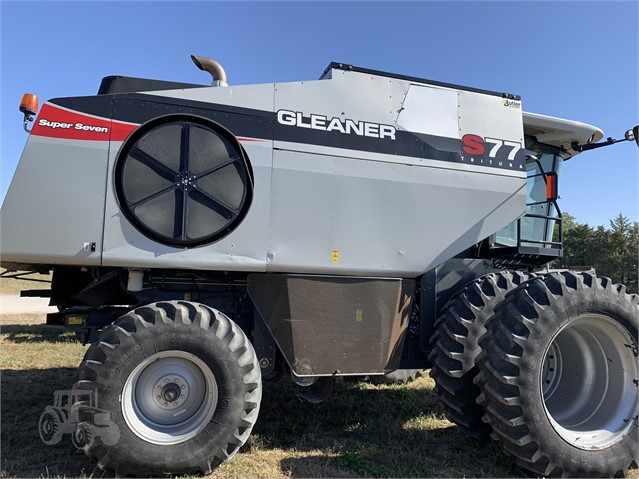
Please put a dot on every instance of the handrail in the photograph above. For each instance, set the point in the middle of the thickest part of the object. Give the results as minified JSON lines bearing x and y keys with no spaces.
{"x":558,"y":219}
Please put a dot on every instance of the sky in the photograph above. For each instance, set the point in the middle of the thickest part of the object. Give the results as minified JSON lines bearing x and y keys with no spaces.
{"x":573,"y":60}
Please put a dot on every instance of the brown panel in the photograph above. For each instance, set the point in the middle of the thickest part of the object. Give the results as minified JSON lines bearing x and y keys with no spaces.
{"x":328,"y":325}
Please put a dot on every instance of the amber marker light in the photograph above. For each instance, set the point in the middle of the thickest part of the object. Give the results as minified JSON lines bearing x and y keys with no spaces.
{"x":28,"y":106}
{"x":551,"y":186}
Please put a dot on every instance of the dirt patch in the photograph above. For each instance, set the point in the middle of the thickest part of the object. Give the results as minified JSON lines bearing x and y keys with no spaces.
{"x":11,"y":304}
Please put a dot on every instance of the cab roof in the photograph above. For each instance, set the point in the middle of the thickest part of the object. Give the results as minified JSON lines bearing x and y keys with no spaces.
{"x":560,"y":132}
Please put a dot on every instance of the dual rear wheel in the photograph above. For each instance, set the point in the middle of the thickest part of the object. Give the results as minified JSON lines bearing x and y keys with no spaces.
{"x":556,"y":375}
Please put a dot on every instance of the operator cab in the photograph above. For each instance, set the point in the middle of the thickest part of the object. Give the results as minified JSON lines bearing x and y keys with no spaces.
{"x":536,"y":238}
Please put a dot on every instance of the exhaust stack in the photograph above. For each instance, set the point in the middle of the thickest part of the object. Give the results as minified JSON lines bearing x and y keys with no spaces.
{"x":213,"y":67}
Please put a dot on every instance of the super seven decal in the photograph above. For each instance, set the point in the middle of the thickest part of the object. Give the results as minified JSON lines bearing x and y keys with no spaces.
{"x":78,"y":126}
{"x":58,"y":122}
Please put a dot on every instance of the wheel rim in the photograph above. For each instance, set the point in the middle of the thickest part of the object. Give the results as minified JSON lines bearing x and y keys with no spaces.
{"x":169,"y":398}
{"x":587,"y":382}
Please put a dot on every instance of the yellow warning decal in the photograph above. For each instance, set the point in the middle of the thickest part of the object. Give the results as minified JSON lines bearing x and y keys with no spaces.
{"x":187,"y":296}
{"x":75,"y":320}
{"x":334,"y":256}
{"x":359,"y":315}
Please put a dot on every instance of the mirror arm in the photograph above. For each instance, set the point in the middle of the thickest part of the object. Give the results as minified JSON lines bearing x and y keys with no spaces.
{"x":632,"y":134}
{"x":592,"y":146}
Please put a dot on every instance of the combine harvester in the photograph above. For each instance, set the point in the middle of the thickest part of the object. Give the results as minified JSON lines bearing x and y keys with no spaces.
{"x":204,"y":239}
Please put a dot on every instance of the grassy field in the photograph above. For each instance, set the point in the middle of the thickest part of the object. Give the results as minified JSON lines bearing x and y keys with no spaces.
{"x":361,"y":431}
{"x":14,"y":286}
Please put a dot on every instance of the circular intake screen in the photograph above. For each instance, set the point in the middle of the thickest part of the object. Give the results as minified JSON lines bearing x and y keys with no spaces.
{"x":183,"y":181}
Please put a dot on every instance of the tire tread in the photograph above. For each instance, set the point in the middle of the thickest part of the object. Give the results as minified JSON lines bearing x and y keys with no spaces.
{"x":502,"y":348}
{"x":192,"y":315}
{"x":456,"y":345}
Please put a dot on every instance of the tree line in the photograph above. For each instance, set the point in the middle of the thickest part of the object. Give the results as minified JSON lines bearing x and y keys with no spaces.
{"x":613,"y":252}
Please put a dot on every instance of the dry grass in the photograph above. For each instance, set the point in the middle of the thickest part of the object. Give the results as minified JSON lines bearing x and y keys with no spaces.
{"x":15,"y":285}
{"x":361,"y":431}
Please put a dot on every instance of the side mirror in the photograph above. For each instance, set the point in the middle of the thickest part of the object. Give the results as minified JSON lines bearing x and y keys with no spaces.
{"x":633,"y":135}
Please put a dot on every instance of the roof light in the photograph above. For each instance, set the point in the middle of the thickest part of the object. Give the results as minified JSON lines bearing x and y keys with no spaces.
{"x":29,"y":104}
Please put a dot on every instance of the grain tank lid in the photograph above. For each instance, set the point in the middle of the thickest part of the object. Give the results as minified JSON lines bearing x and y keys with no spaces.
{"x":328,"y":74}
{"x":560,"y":132}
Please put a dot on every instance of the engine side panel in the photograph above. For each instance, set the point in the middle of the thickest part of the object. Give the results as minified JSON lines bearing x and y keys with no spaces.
{"x":52,"y":213}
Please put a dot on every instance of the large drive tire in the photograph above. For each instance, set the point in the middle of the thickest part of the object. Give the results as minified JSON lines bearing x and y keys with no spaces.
{"x":456,"y":347}
{"x":559,"y":374}
{"x":182,"y":384}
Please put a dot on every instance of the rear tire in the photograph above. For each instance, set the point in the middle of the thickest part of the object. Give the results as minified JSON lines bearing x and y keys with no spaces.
{"x":456,"y":347}
{"x":182,"y":384}
{"x":559,"y":375}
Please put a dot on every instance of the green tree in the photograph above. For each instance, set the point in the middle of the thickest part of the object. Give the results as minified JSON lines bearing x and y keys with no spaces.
{"x":622,"y":250}
{"x":613,"y":252}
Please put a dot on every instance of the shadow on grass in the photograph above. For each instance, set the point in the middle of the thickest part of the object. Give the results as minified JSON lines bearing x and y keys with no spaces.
{"x":368,"y":431}
{"x":361,"y":431}
{"x":37,"y":334}
{"x":23,"y":397}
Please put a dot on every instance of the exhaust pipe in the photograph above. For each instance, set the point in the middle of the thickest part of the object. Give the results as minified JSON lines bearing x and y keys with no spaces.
{"x":213,"y":67}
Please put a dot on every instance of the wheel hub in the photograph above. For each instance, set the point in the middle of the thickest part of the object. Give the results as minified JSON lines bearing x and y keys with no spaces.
{"x":169,"y":398}
{"x":170,"y":392}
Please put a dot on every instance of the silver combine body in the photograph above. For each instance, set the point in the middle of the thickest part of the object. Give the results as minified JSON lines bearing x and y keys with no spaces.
{"x":353,"y":174}
{"x":206,"y":239}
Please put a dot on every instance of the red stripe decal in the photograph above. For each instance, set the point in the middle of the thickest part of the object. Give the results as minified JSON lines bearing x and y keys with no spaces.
{"x":56,"y":122}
